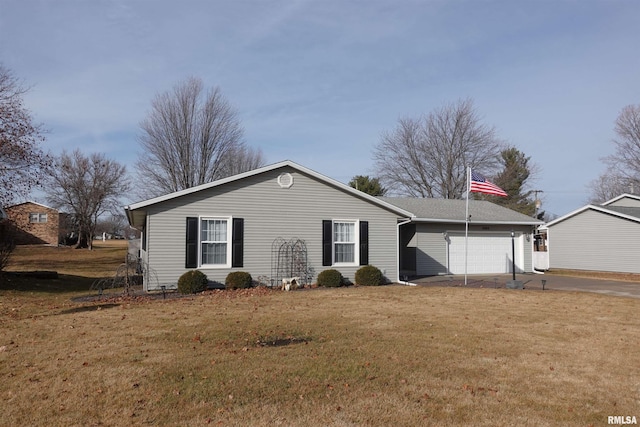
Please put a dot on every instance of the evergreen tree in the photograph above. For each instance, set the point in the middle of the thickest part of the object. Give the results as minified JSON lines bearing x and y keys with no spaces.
{"x":368,"y":185}
{"x":516,"y":170}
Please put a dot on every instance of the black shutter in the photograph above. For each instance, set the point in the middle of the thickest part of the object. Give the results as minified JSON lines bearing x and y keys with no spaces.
{"x":191,"y":260}
{"x":364,"y":242}
{"x":237,"y":243}
{"x":327,"y":242}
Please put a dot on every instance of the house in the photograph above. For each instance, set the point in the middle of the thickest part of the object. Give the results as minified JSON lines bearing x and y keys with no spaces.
{"x":34,"y":223}
{"x":602,"y":237}
{"x":286,"y":220}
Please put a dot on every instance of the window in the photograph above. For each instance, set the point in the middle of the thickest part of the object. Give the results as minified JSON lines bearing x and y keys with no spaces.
{"x":344,"y":242}
{"x":214,"y":242}
{"x":35,"y":217}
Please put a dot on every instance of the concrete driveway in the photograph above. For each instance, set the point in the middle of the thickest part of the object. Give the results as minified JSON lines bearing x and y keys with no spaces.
{"x":534,"y":281}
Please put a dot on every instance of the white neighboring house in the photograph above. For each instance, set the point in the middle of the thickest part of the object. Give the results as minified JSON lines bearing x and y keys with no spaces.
{"x":602,"y":237}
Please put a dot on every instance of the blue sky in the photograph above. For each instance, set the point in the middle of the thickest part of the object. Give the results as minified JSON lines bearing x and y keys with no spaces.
{"x":317,"y":82}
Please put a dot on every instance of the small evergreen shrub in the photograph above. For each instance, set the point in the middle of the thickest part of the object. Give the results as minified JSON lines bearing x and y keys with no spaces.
{"x":192,"y":281}
{"x":368,"y":276}
{"x":330,"y":278}
{"x":238,"y":280}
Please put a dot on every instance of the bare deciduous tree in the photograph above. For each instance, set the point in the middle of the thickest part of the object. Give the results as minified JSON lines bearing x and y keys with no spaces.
{"x":86,"y":187}
{"x":115,"y":224}
{"x":428,"y":156}
{"x":21,"y":159}
{"x":190,"y":138}
{"x":607,"y":186}
{"x":241,"y":159}
{"x":623,"y":167}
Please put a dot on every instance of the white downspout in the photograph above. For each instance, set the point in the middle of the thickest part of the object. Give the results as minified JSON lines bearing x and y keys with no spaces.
{"x":398,"y":253}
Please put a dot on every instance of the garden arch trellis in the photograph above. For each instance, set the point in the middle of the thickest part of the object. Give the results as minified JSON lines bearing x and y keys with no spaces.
{"x":289,"y":259}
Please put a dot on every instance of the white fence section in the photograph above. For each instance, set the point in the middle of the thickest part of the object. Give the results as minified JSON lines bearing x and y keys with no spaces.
{"x":541,"y":260}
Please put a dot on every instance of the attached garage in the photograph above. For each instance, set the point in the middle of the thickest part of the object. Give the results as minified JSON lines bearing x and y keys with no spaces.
{"x":487,"y":253}
{"x":433,"y":243}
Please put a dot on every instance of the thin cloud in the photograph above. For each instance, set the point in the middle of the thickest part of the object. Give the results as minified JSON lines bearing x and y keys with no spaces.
{"x":318,"y":81}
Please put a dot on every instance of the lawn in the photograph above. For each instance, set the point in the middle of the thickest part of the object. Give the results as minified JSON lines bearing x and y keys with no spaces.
{"x":392,"y":355}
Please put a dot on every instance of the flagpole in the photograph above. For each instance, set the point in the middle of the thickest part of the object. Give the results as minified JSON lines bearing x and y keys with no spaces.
{"x":466,"y":226}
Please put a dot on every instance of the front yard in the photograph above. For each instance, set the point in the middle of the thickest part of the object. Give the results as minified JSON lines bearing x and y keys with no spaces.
{"x":388,"y":355}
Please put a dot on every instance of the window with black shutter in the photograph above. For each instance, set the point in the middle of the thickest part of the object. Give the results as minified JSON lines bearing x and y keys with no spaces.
{"x":327,"y":242}
{"x":219,"y":241}
{"x":345,"y":242}
{"x":191,"y":260}
{"x":364,"y":242}
{"x":237,"y":243}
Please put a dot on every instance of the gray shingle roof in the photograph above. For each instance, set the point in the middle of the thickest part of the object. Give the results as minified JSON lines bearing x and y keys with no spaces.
{"x":625,"y":210}
{"x":453,"y":210}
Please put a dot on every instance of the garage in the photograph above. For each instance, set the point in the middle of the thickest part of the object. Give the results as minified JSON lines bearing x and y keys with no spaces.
{"x":488,"y":253}
{"x":433,"y":244}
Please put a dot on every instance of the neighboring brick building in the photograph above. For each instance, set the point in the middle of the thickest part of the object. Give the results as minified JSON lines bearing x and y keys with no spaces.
{"x":35,"y":223}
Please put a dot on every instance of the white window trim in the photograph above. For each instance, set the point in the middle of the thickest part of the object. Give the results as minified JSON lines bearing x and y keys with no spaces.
{"x":41,"y":217}
{"x":229,"y":221}
{"x":356,"y":243}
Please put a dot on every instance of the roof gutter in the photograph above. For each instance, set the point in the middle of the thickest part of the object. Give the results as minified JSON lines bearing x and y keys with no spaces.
{"x":462,"y":221}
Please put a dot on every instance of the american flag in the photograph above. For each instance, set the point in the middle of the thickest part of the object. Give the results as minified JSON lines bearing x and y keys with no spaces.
{"x":480,"y":184}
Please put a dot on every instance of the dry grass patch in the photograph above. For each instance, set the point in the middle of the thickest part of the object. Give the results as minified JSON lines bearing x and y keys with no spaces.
{"x":102,"y":261}
{"x":77,"y":268}
{"x":351,"y":356}
{"x":604,"y":275}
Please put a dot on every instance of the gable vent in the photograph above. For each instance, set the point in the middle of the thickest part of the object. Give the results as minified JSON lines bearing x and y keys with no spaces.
{"x":285,"y":180}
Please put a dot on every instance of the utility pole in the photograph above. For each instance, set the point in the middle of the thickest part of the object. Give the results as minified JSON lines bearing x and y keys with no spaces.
{"x":537,"y":201}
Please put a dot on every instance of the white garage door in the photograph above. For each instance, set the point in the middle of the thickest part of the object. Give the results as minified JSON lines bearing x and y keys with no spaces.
{"x":488,"y":253}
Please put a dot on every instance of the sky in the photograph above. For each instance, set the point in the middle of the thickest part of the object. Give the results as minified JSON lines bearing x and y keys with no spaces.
{"x":318,"y":81}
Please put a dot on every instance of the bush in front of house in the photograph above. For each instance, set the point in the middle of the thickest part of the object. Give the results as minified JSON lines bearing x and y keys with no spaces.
{"x":238,"y":280}
{"x":369,"y":276}
{"x":330,"y":278}
{"x":192,"y":281}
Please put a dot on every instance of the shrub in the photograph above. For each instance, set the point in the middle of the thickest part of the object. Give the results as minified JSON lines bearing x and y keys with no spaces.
{"x":238,"y":280}
{"x":330,"y":278}
{"x":192,"y":281}
{"x":368,"y":276}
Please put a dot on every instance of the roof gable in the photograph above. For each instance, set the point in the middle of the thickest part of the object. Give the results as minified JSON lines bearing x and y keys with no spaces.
{"x":628,"y":213}
{"x":135,"y":209}
{"x":628,"y":200}
{"x":29,"y":202}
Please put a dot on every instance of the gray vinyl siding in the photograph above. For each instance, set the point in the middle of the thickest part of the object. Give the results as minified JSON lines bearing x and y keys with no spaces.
{"x":431,"y":253}
{"x":595,"y":241}
{"x":269,"y":212}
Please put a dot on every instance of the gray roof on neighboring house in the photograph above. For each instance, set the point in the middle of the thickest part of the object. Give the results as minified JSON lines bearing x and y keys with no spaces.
{"x":453,"y":210}
{"x":626,"y":210}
